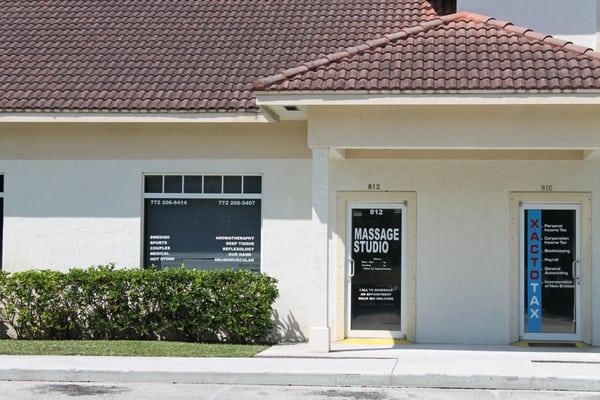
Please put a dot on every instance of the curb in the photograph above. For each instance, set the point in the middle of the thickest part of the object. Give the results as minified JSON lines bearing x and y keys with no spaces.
{"x":303,"y":379}
{"x":258,"y":378}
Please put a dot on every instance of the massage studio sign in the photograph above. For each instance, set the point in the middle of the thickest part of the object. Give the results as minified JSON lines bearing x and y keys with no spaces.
{"x":374,"y":240}
{"x":550,"y":254}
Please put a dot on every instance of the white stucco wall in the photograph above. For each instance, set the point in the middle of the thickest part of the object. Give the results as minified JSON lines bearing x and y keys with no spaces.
{"x":77,"y":213}
{"x":62,"y":212}
{"x":463,"y":241}
{"x":74,"y":198}
{"x":576,"y":20}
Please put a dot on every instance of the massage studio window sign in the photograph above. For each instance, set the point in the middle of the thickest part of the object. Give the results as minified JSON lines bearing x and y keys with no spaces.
{"x":376,"y":256}
{"x":550,"y":276}
{"x":206,"y":222}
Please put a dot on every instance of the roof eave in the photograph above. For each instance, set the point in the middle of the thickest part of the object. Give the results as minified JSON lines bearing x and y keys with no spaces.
{"x":389,"y":98}
{"x":133,"y":117}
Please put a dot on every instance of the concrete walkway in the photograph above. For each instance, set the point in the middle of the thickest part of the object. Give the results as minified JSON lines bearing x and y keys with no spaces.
{"x":405,"y":366}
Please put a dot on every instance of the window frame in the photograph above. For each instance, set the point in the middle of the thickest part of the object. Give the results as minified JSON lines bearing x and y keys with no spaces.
{"x":183,"y":195}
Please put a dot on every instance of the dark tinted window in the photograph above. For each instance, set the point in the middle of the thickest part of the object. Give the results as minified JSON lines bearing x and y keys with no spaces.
{"x":153,"y":184}
{"x":194,"y":233}
{"x":193,"y":184}
{"x":1,"y":183}
{"x":198,"y":184}
{"x":232,"y":184}
{"x":212,"y":184}
{"x":173,"y":183}
{"x":252,"y":184}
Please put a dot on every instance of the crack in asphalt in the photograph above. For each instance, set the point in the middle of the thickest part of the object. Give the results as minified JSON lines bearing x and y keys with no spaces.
{"x":78,"y":390}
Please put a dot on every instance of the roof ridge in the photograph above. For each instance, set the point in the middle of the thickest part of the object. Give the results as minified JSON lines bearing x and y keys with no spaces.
{"x":348,"y":52}
{"x":262,"y":83}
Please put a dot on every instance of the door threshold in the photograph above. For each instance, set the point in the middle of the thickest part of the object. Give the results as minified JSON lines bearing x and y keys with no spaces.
{"x":375,"y":341}
{"x":551,"y":344}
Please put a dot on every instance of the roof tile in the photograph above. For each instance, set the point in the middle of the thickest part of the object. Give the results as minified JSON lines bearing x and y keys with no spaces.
{"x":478,"y":53}
{"x":86,"y":51}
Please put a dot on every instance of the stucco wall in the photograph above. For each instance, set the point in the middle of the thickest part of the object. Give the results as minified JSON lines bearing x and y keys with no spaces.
{"x":575,"y":21}
{"x":73,"y":197}
{"x":73,"y":194}
{"x":463,"y":252}
{"x":499,"y":127}
{"x":463,"y":242}
{"x":157,"y":141}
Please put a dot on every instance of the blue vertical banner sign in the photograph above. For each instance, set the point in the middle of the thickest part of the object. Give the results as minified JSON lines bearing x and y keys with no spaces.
{"x":534,"y":270}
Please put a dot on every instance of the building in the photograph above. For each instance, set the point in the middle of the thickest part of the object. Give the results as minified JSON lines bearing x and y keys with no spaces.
{"x":402,"y":169}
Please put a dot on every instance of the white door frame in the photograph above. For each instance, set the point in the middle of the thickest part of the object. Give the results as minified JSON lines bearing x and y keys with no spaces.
{"x":354,"y":333}
{"x":578,"y":321}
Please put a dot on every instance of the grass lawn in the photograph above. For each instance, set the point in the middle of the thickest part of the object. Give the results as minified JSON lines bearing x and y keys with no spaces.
{"x":125,"y":348}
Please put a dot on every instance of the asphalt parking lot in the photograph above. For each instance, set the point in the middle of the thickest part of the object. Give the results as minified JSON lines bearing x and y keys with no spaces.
{"x":93,"y":391}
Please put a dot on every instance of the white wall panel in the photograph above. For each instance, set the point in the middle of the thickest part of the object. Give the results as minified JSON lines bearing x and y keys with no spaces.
{"x":77,"y":213}
{"x":574,"y":20}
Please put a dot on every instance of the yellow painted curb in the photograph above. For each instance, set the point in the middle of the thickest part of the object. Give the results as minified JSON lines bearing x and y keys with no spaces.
{"x":520,"y":344}
{"x":374,"y":341}
{"x":579,"y":345}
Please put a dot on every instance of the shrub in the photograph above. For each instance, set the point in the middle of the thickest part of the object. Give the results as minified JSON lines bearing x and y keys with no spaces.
{"x":108,"y":303}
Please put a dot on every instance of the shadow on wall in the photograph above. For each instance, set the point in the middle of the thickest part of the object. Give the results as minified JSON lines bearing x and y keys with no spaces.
{"x":285,"y":329}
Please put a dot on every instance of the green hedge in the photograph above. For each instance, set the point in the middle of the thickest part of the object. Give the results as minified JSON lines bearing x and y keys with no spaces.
{"x":107,"y":303}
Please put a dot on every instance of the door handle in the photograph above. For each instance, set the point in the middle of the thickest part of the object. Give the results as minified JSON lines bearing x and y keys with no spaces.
{"x":577,"y":282}
{"x":351,"y":265}
{"x":574,"y":271}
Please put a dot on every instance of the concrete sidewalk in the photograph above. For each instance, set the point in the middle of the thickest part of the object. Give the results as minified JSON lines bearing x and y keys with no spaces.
{"x":406,"y":366}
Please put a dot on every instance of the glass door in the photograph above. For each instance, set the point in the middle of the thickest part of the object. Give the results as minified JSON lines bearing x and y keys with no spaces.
{"x":376,"y":253}
{"x":550,"y":271}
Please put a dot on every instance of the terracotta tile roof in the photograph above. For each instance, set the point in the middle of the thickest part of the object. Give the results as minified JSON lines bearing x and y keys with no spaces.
{"x":175,"y":55}
{"x":458,"y":52}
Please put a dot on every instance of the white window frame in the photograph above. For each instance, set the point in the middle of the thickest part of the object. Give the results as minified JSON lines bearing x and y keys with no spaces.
{"x":578,"y":235}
